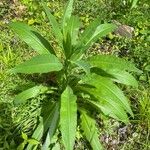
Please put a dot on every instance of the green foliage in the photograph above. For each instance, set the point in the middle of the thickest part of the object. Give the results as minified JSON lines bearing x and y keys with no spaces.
{"x":68,"y":117}
{"x":32,"y":38}
{"x":30,"y":93}
{"x":79,"y":82}
{"x":88,"y":125}
{"x":39,"y":64}
{"x":134,"y":2}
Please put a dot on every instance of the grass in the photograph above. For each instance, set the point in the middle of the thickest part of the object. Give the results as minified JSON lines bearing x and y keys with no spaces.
{"x":13,"y":120}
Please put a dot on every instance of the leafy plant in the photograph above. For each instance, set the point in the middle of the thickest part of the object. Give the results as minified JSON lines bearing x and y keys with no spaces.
{"x":134,"y":3}
{"x":80,"y":86}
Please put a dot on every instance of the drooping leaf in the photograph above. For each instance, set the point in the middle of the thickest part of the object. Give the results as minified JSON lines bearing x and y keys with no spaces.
{"x":39,"y":64}
{"x":49,"y":121}
{"x":68,"y":118}
{"x":68,"y":12}
{"x":106,"y":89}
{"x":22,"y":97}
{"x":32,"y":38}
{"x":124,"y":78}
{"x":90,"y":131}
{"x":110,"y":62}
{"x":117,"y":76}
{"x":54,"y":24}
{"x":109,"y":107}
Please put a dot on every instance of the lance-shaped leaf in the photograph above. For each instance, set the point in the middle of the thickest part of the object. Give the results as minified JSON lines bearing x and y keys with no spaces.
{"x":89,"y":31}
{"x":110,"y":62}
{"x":124,"y":78}
{"x":72,"y":28}
{"x":32,"y":38}
{"x":54,"y":24}
{"x":68,"y":118}
{"x":90,"y":131}
{"x":107,"y":90}
{"x":108,"y":107}
{"x":118,"y":76}
{"x":71,"y":35}
{"x":92,"y":33}
{"x":67,"y":46}
{"x":101,"y":30}
{"x":68,"y":12}
{"x":85,"y":36}
{"x":22,"y":97}
{"x":39,"y":64}
{"x":49,"y":121}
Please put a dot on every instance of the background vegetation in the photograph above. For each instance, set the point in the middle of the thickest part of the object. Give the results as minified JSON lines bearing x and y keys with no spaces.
{"x":114,"y":135}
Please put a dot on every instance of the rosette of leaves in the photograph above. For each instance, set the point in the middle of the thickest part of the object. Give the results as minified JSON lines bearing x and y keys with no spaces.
{"x":82,"y":85}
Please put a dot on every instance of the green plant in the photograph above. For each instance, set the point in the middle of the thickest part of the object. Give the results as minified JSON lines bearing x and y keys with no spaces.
{"x":80,"y":85}
{"x":134,"y":3}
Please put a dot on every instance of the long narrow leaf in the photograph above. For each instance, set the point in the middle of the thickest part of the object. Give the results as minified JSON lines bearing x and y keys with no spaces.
{"x":68,"y":12}
{"x":110,"y":62}
{"x":90,"y":131}
{"x":92,"y":33}
{"x":89,"y":31}
{"x":54,"y":24}
{"x":119,"y":76}
{"x":39,"y":64}
{"x":72,"y":28}
{"x":68,"y":118}
{"x":109,"y":107}
{"x":32,"y":38}
{"x":22,"y":97}
{"x":52,"y":127}
{"x":124,"y":78}
{"x":49,"y":121}
{"x":107,"y":90}
{"x":101,"y":30}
